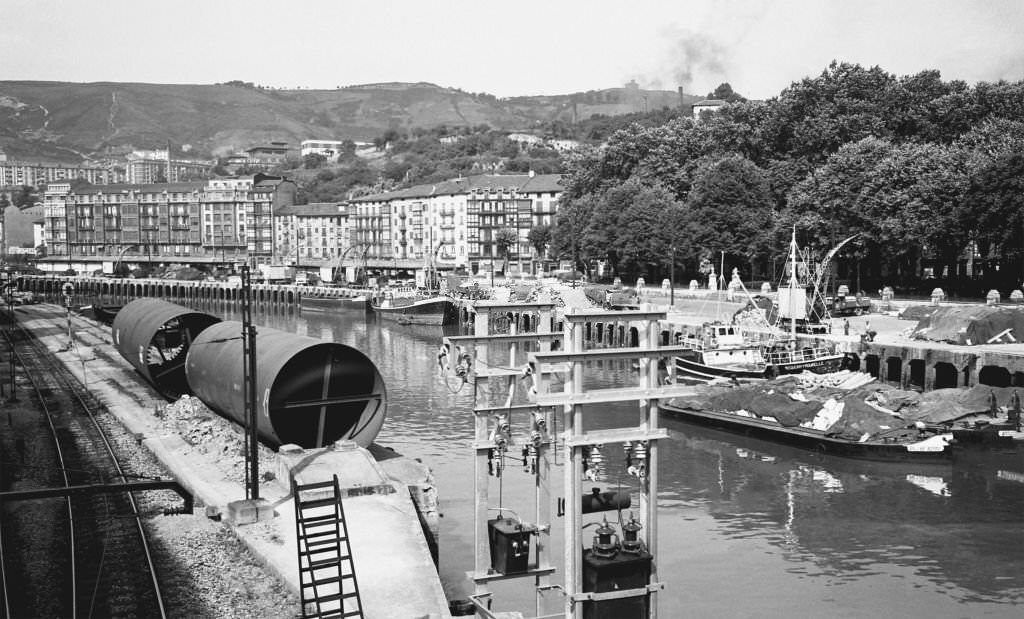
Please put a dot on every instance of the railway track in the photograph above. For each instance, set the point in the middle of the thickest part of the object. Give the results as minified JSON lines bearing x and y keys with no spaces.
{"x":85,"y":554}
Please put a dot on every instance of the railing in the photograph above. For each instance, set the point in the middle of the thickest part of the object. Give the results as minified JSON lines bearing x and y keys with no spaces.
{"x":806,"y":353}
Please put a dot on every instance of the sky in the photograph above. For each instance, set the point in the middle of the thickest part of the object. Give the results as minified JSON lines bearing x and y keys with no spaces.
{"x":511,"y":48}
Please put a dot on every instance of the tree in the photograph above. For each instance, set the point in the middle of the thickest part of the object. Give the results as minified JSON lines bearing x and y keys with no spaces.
{"x":313,"y":161}
{"x":24,"y":197}
{"x":503,"y":239}
{"x":540,"y":238}
{"x":730,"y":208}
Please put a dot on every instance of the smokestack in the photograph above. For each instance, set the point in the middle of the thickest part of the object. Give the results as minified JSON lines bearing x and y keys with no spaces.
{"x":575,"y":114}
{"x":680,"y":97}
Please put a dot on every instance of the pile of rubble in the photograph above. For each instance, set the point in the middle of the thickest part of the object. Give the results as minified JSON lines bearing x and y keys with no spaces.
{"x":210,"y":434}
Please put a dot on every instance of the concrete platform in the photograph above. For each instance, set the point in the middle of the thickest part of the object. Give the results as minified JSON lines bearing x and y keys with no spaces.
{"x":393,"y":562}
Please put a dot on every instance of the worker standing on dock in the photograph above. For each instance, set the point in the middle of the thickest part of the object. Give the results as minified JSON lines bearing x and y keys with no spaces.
{"x":1013,"y":411}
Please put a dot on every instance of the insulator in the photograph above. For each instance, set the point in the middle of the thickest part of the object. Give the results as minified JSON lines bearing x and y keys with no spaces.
{"x":539,"y":423}
{"x":594,"y":465}
{"x":636,"y":459}
{"x":501,"y":424}
{"x":535,"y":439}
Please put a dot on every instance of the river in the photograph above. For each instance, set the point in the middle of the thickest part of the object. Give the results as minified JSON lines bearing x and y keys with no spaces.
{"x":746,"y":528}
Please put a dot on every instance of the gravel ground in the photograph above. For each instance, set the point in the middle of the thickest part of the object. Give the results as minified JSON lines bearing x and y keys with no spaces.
{"x":205,"y":571}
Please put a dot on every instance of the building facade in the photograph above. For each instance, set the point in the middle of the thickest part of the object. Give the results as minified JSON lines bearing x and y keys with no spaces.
{"x":454,"y":225}
{"x":34,"y":174}
{"x":329,"y":149}
{"x":145,"y":167}
{"x":222,"y":221}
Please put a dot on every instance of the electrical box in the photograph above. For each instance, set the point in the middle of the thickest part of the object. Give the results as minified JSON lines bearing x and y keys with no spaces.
{"x":620,"y":572}
{"x":510,"y":545}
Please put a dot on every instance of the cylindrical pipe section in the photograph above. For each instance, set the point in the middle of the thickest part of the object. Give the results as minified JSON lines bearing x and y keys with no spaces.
{"x":154,"y":336}
{"x":311,"y":393}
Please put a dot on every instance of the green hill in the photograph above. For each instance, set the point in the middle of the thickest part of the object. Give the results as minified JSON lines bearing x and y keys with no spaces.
{"x":72,"y":121}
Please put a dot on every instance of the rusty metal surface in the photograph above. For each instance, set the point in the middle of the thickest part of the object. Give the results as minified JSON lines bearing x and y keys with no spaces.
{"x":154,"y":337}
{"x":310,"y":393}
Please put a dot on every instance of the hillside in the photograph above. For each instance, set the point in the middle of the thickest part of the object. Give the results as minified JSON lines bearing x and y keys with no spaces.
{"x":72,"y":121}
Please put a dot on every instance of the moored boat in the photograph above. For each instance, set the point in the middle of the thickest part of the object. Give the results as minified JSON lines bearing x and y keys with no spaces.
{"x":932,"y":448}
{"x":729,"y":351}
{"x":331,"y":304}
{"x":435,"y":310}
{"x":105,"y":313}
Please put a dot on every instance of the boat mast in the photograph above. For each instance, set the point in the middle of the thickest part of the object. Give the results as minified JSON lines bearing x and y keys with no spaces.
{"x":793,"y":284}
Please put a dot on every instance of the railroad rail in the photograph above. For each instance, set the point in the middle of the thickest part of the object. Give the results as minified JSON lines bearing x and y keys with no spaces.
{"x":90,"y":556}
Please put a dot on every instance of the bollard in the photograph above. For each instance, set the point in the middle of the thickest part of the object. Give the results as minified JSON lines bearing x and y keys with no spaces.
{"x":766,"y":288}
{"x":938,"y":296}
{"x":1017,"y":296}
{"x":992,"y":298}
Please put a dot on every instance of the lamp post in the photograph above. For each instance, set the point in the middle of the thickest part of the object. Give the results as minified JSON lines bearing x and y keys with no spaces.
{"x":672,"y":278}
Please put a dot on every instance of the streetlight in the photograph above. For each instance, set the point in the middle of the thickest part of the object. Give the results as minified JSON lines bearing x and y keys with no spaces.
{"x":672,"y":279}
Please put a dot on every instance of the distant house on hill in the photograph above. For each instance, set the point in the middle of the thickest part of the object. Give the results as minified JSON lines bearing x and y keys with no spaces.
{"x":707,"y":105}
{"x":269,"y":154}
{"x":329,"y":149}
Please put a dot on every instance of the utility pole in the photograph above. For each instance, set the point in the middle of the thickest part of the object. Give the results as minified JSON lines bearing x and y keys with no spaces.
{"x":252,"y":460}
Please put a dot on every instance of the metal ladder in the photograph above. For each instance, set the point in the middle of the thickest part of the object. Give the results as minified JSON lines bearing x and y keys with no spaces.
{"x":327,"y":577}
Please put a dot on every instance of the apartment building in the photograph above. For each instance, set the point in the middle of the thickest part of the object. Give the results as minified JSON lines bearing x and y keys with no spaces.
{"x":217,"y":221}
{"x":34,"y":174}
{"x":145,"y":167}
{"x":455,"y":224}
{"x":316,"y":234}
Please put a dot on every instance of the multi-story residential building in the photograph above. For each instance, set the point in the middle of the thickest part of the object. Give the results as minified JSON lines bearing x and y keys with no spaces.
{"x":315,"y":234}
{"x":330,"y":149}
{"x":144,"y":167}
{"x":218,"y":222}
{"x":34,"y":174}
{"x":455,"y":224}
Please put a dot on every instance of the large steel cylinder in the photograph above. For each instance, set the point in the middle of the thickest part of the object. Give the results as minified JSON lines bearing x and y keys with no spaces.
{"x":154,"y":336}
{"x":309,"y":392}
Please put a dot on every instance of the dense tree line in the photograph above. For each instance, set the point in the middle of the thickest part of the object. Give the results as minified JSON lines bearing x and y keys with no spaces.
{"x":928,"y":172}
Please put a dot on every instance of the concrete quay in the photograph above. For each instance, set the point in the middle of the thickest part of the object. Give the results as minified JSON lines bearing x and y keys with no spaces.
{"x":389,"y":500}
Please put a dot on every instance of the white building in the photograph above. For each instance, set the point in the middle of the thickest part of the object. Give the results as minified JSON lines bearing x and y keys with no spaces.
{"x":330,"y":149}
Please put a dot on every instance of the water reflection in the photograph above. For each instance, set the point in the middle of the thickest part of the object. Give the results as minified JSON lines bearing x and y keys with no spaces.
{"x":746,"y":528}
{"x":957,"y":526}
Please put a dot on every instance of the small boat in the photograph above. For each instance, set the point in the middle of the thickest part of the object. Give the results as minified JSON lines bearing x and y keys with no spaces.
{"x":436,"y":310}
{"x":330,"y":304}
{"x":105,"y":313}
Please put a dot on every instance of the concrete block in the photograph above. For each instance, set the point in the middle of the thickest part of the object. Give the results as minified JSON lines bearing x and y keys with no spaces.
{"x":249,"y":511}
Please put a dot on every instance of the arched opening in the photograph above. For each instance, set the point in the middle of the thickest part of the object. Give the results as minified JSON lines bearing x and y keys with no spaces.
{"x":917,"y":367}
{"x":634,"y":337}
{"x":873,"y":365}
{"x":851,"y":362}
{"x":994,"y":376}
{"x":945,"y":376}
{"x":600,"y":331}
{"x":1018,"y":379}
{"x":893,"y":369}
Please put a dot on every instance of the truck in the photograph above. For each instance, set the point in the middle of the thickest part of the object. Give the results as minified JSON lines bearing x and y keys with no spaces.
{"x":843,"y":305}
{"x":277,"y":274}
